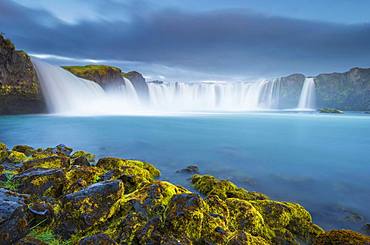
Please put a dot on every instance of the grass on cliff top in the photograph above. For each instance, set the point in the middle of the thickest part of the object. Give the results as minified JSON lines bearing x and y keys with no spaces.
{"x":91,"y":69}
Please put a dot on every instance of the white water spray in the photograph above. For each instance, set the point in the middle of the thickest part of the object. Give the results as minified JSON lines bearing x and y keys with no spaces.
{"x":68,"y":94}
{"x":307,"y":98}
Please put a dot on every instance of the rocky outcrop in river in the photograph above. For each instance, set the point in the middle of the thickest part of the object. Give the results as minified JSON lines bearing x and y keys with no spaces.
{"x":58,"y":196}
{"x":20,"y":90}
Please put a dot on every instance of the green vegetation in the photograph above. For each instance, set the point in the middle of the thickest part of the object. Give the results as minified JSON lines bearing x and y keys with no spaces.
{"x":47,"y":236}
{"x":122,"y":201}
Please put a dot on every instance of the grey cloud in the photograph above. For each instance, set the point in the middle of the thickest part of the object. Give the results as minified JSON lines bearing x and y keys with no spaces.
{"x":220,"y":43}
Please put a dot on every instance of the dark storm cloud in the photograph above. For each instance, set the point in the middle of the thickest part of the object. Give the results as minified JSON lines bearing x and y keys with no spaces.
{"x":233,"y":42}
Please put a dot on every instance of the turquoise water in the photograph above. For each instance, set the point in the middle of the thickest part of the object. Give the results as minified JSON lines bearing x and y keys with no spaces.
{"x":320,"y":161}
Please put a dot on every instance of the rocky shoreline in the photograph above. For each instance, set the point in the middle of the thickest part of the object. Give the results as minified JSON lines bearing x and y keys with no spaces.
{"x":60,"y":196}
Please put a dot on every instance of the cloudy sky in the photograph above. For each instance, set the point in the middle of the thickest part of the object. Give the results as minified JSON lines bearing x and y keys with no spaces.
{"x":188,"y":40}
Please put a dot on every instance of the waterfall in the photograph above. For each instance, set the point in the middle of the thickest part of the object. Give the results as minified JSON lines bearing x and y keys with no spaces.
{"x":307,"y":98}
{"x":68,"y":94}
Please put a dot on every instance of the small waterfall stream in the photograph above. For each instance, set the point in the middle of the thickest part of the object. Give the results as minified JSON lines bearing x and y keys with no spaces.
{"x":307,"y":98}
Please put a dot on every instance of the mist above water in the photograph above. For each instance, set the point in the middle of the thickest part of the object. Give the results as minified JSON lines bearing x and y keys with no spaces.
{"x":68,"y":94}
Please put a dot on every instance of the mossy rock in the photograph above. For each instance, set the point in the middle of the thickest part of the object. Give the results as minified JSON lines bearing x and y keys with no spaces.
{"x":244,"y":238}
{"x":48,"y":162}
{"x":3,"y":156}
{"x":245,"y":217}
{"x":27,"y":150}
{"x":142,"y":208}
{"x":16,"y":157}
{"x":342,"y":237}
{"x":288,"y":220}
{"x":89,"y":156}
{"x":111,"y":163}
{"x":60,"y":150}
{"x":88,"y":207}
{"x":209,"y":185}
{"x":3,"y":147}
{"x":41,"y":182}
{"x":79,"y":177}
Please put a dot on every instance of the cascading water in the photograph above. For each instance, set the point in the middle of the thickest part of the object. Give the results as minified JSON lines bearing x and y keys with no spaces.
{"x":68,"y":94}
{"x":307,"y":98}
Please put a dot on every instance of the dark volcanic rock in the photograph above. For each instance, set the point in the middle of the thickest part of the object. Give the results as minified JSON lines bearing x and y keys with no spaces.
{"x":139,"y":83}
{"x":40,"y":181}
{"x":98,"y":239}
{"x":90,"y":206}
{"x":105,"y":76}
{"x":191,"y":169}
{"x":13,"y":217}
{"x":20,"y":91}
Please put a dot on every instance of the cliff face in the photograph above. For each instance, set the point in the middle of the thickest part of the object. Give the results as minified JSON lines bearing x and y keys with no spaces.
{"x":20,"y":91}
{"x":290,"y":90}
{"x":105,"y":76}
{"x":345,"y":91}
{"x":109,"y":76}
{"x":139,"y":83}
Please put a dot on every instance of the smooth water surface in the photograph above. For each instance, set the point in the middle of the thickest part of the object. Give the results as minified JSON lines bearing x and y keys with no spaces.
{"x":320,"y":161}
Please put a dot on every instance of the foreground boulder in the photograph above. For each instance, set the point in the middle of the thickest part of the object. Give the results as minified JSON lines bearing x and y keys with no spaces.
{"x":41,"y":182}
{"x":14,"y":223}
{"x":90,"y":206}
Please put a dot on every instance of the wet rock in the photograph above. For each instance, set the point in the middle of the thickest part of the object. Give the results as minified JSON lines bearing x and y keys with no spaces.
{"x":27,"y":150}
{"x":41,"y":182}
{"x":79,"y":177}
{"x":330,"y":110}
{"x":191,"y":169}
{"x":13,"y":217}
{"x":90,"y":206}
{"x":341,"y":237}
{"x":48,"y":162}
{"x":97,"y":239}
{"x":209,"y":185}
{"x":89,"y":156}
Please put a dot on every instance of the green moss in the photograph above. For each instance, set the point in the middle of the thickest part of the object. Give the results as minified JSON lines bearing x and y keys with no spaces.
{"x":27,"y":150}
{"x":209,"y":185}
{"x":48,"y":162}
{"x":3,"y":147}
{"x":91,"y":70}
{"x":244,"y":217}
{"x":16,"y":157}
{"x":89,"y":156}
{"x":111,"y":163}
{"x":79,"y":177}
{"x":342,"y":237}
{"x":288,"y":219}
